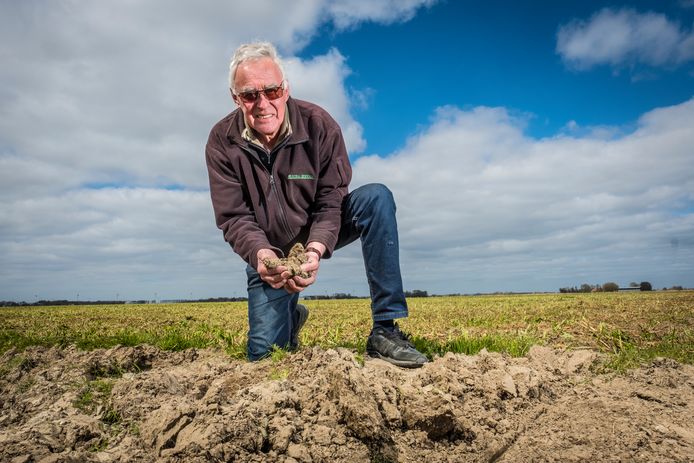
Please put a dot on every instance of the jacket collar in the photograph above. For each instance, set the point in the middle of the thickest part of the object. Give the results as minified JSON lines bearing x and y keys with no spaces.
{"x":299,"y":132}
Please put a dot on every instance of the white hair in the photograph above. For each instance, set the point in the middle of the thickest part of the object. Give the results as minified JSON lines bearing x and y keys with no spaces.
{"x":253,"y":51}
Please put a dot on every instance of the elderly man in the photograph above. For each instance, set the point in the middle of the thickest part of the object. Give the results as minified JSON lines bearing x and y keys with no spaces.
{"x":279,"y":175}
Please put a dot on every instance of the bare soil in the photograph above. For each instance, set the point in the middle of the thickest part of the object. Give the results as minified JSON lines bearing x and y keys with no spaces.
{"x":327,"y":405}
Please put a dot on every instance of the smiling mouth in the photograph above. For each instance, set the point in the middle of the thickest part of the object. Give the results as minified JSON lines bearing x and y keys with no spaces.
{"x":264,"y":116}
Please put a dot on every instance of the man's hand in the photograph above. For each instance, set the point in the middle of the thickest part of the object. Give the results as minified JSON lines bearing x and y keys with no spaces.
{"x":297,"y":284}
{"x":273,"y":277}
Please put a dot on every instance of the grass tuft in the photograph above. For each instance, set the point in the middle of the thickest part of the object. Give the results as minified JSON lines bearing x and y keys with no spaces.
{"x":95,"y":398}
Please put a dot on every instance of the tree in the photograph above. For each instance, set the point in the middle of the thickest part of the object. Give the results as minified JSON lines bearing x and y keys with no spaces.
{"x":610,"y":287}
{"x":646,"y":286}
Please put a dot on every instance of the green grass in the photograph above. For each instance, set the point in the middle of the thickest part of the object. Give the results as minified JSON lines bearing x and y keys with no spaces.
{"x":95,"y":396}
{"x":632,"y":327}
{"x":167,"y":326}
{"x":514,"y":345}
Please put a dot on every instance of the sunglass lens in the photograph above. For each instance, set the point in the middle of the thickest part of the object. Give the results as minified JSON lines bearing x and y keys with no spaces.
{"x":274,"y":93}
{"x":249,"y":97}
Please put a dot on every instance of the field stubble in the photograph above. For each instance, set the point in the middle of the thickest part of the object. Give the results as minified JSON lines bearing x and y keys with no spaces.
{"x":632,"y":327}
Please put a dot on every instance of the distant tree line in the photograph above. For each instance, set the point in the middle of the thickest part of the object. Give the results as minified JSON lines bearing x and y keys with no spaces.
{"x":610,"y":286}
{"x":43,"y":302}
{"x":113,"y":302}
{"x":315,"y":297}
{"x":584,"y":288}
{"x":209,"y":299}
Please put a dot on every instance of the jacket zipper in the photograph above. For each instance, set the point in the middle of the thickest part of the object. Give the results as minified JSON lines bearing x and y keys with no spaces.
{"x":283,"y":216}
{"x":273,"y":187}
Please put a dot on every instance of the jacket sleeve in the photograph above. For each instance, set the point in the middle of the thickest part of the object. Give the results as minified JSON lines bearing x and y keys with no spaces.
{"x":333,"y":181}
{"x":232,"y":213}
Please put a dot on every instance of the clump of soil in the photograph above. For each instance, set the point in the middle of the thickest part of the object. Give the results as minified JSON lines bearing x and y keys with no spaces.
{"x":329,"y":405}
{"x":296,"y":257}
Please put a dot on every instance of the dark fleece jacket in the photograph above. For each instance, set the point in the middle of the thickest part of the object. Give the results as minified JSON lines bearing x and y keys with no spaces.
{"x":298,"y":201}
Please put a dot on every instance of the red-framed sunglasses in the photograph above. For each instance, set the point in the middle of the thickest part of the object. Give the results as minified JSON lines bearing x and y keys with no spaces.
{"x":271,"y":93}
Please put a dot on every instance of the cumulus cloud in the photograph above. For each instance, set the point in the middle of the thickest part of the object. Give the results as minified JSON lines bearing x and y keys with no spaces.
{"x":482,"y":204}
{"x":625,"y":37}
{"x":348,"y":13}
{"x":314,"y":80}
{"x":105,"y":109}
{"x":121,"y":92}
{"x":101,"y":243}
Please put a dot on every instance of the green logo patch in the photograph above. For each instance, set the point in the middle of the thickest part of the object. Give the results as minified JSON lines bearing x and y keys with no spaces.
{"x":300,"y":177}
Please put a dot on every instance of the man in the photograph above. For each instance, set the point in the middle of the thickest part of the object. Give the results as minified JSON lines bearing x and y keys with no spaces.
{"x":279,"y":175}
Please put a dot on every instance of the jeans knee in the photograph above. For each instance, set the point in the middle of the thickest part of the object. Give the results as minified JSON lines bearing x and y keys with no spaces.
{"x":378,"y":195}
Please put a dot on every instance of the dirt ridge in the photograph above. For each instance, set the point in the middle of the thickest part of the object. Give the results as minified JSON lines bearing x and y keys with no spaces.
{"x":142,"y":404}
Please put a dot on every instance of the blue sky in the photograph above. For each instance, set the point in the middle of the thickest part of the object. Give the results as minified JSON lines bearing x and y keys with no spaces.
{"x":467,"y":54}
{"x":529,"y":145}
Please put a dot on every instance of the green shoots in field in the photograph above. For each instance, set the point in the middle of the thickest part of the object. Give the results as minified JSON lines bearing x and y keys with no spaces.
{"x":630,"y":327}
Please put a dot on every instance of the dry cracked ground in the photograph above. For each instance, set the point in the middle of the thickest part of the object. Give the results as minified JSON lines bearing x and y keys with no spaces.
{"x":142,"y":405}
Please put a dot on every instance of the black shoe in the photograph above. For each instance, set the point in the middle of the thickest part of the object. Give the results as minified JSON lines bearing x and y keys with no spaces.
{"x":394,"y":347}
{"x":300,"y":317}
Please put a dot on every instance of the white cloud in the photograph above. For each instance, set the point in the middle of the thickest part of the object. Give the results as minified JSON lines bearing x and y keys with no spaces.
{"x":101,"y":242}
{"x":315,"y":80}
{"x":123,"y":94}
{"x":624,"y":37}
{"x":348,"y":13}
{"x":484,"y":205}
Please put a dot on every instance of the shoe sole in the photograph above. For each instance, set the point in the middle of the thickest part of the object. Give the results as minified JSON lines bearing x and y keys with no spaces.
{"x":399,"y":363}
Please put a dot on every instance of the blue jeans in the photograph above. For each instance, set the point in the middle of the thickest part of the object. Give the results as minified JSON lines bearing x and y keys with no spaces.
{"x":368,"y":213}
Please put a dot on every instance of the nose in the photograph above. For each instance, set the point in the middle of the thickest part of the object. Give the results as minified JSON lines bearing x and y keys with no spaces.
{"x":262,"y":100}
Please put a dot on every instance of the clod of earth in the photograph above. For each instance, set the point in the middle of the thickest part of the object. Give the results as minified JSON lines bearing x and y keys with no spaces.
{"x":297,"y":256}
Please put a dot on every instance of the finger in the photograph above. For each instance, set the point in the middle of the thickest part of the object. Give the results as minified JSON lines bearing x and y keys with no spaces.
{"x":291,"y":288}
{"x":277,"y":270}
{"x":276,"y":281}
{"x":277,"y":284}
{"x":310,"y":266}
{"x":273,"y":278}
{"x":295,"y":286}
{"x":304,"y":282}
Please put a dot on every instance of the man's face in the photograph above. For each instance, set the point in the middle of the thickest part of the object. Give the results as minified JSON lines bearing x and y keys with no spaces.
{"x":263,"y":115}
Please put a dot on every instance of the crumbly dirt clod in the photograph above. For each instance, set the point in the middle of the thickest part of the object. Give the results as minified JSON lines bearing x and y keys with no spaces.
{"x":200,"y":406}
{"x":293,"y":261}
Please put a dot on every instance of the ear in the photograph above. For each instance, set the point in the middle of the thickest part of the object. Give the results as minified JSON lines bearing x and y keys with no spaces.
{"x":233,"y":97}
